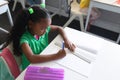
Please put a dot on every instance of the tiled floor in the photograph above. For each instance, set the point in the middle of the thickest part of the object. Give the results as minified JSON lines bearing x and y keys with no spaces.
{"x":57,"y":20}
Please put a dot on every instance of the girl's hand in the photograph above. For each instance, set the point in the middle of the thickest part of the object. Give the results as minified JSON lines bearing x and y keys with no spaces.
{"x":70,"y":45}
{"x":61,"y":53}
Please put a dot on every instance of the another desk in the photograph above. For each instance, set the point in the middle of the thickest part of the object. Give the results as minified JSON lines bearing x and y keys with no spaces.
{"x":105,"y":67}
{"x":108,"y":5}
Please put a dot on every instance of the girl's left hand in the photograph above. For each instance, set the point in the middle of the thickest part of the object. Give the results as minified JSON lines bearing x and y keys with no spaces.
{"x":69,"y":45}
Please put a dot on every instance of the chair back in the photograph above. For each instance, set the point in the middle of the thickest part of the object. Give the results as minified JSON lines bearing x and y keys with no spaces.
{"x":10,"y":60}
{"x":5,"y":73}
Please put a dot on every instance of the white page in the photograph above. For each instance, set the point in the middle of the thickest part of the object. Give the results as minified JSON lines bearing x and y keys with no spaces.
{"x":76,"y":64}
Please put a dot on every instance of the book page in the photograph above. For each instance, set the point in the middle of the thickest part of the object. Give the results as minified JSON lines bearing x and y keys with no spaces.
{"x":75,"y":64}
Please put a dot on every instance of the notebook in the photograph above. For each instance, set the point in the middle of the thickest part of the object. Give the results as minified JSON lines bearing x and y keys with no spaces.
{"x":44,"y":73}
{"x":81,"y":61}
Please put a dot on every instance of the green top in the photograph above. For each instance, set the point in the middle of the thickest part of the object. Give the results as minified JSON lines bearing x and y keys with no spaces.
{"x":37,"y":46}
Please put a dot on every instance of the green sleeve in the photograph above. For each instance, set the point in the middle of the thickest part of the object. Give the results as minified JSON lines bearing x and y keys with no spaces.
{"x":22,"y":40}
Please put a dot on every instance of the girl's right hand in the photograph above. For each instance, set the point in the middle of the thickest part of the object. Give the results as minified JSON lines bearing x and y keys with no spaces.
{"x":61,"y":53}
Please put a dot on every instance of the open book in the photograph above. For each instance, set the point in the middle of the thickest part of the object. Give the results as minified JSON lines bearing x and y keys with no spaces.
{"x":87,"y":48}
{"x":79,"y":61}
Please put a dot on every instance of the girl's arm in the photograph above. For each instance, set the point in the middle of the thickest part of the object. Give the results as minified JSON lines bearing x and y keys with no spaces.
{"x":41,"y":58}
{"x":68,"y":44}
{"x":60,"y":30}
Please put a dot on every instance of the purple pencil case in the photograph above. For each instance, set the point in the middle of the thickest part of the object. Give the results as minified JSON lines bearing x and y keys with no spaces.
{"x":44,"y":73}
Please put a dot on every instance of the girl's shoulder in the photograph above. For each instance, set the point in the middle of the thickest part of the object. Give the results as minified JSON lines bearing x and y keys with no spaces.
{"x":25,"y":38}
{"x":26,"y":35}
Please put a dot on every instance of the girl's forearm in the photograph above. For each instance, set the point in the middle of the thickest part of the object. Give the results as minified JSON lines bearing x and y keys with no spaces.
{"x":43,"y":58}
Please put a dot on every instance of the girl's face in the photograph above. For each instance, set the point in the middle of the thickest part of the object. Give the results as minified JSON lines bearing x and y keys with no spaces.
{"x":39,"y":28}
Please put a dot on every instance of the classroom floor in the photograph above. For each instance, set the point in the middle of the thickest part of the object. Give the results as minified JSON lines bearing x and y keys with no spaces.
{"x":57,"y":20}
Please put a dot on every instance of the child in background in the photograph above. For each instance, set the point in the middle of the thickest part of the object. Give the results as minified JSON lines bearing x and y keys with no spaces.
{"x":33,"y":2}
{"x":117,"y":1}
{"x":84,"y":3}
{"x":39,"y":2}
{"x":30,"y":36}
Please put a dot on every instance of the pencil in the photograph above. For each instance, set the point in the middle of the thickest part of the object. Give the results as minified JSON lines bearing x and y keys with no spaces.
{"x":63,"y":45}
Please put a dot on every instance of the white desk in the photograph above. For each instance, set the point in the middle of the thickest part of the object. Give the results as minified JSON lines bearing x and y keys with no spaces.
{"x":4,"y":8}
{"x":107,"y":65}
{"x":108,"y":5}
{"x":108,"y":54}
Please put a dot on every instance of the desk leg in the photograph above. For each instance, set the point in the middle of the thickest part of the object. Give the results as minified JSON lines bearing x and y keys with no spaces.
{"x":23,"y":3}
{"x":81,"y":20}
{"x":118,"y":39}
{"x":9,"y":16}
{"x":88,"y":15}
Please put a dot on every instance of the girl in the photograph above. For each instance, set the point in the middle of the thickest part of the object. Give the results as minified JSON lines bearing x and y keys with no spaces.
{"x":30,"y":36}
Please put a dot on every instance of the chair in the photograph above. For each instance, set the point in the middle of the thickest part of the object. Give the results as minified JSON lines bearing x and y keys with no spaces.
{"x":75,"y":12}
{"x":11,"y":62}
{"x":57,"y":7}
{"x":5,"y":73}
{"x":4,"y":8}
{"x":22,"y":3}
{"x":15,"y":2}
